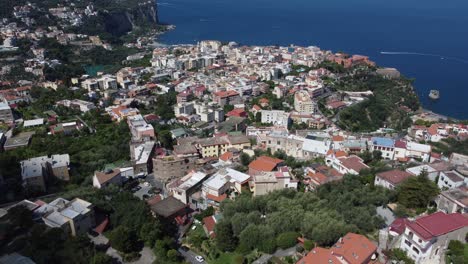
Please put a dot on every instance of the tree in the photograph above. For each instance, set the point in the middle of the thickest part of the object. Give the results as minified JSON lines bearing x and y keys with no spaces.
{"x":225,"y":240}
{"x":124,"y":240}
{"x":399,"y":255}
{"x":102,"y":258}
{"x":20,"y":215}
{"x":287,"y":240}
{"x":377,"y":155}
{"x":245,"y":159}
{"x":165,"y":138}
{"x":455,"y":253}
{"x":417,"y":192}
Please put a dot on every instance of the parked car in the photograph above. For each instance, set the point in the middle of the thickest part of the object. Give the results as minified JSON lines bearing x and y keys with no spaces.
{"x":199,"y":258}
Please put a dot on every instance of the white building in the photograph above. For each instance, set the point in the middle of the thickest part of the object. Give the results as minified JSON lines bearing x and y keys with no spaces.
{"x":451,"y":179}
{"x":224,"y":180}
{"x":317,"y":145}
{"x":183,"y":188}
{"x":303,"y":103}
{"x":275,"y":117}
{"x":74,"y":217}
{"x":425,"y":239}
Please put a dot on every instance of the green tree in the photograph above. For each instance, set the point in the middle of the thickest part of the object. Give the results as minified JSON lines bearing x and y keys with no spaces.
{"x":101,"y":258}
{"x":287,"y":240}
{"x":245,"y":159}
{"x":417,"y":192}
{"x":21,"y":216}
{"x":225,"y":240}
{"x":399,"y":255}
{"x":165,"y":138}
{"x":124,"y":240}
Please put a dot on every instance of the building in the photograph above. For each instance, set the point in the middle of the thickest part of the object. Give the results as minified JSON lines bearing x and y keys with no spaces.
{"x":139,"y":129}
{"x":169,"y":167}
{"x":266,"y":182}
{"x":183,"y":188}
{"x":426,"y":238}
{"x":453,"y":200}
{"x":141,"y":154}
{"x":170,"y":209}
{"x":275,"y":117}
{"x":303,"y":102}
{"x":427,"y":168}
{"x":317,"y":145}
{"x":320,"y":174}
{"x":222,"y":181}
{"x":350,"y":249}
{"x":264,"y":164}
{"x":346,"y":165}
{"x":391,"y":179}
{"x":451,"y":179}
{"x":82,"y":106}
{"x":384,"y":145}
{"x":106,"y":178}
{"x":223,"y":98}
{"x":36,"y":171}
{"x":74,"y":217}
{"x":21,"y":140}
{"x":6,"y":115}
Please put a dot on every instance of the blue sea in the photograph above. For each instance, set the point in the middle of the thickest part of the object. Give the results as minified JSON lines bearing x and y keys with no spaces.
{"x":426,"y":40}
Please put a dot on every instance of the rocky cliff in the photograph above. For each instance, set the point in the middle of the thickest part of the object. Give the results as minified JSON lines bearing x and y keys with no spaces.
{"x":121,"y":21}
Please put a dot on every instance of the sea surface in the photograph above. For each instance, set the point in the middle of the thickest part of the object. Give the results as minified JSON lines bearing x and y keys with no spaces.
{"x":424,"y":39}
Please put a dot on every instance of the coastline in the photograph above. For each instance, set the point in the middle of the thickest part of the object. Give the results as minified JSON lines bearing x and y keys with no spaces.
{"x":422,"y":113}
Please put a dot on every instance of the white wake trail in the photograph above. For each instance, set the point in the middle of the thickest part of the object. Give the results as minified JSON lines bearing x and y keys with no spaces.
{"x":442,"y":57}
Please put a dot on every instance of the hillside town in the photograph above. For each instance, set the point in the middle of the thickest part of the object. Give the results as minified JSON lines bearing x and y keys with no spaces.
{"x":221,"y":153}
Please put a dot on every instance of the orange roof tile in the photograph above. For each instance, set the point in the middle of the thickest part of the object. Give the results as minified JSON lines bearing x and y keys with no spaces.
{"x":265,"y":163}
{"x":226,"y":156}
{"x":216,"y":198}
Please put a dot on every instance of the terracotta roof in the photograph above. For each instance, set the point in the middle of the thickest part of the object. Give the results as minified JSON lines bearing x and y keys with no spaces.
{"x":216,"y":198}
{"x":399,"y":225}
{"x":226,"y":156}
{"x":338,"y":138}
{"x":264,"y":163}
{"x":432,"y":130}
{"x":353,"y":162}
{"x":438,"y":224}
{"x":224,"y":94}
{"x":319,"y":255}
{"x":354,"y":248}
{"x":104,"y":177}
{"x":394,"y":176}
{"x":400,"y":144}
{"x":210,"y":223}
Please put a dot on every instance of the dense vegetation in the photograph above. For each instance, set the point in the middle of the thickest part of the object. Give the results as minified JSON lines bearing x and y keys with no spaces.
{"x":88,"y":151}
{"x":387,"y":107}
{"x":450,"y":145}
{"x":457,"y":252}
{"x":270,"y":221}
{"x":130,"y":219}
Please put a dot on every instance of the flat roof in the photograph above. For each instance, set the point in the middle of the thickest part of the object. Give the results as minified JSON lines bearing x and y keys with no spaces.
{"x":34,"y":122}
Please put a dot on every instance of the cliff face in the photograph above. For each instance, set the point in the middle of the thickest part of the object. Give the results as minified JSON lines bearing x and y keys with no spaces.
{"x":123,"y":21}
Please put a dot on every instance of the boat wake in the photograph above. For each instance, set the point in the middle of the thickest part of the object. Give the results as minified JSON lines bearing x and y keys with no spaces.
{"x":425,"y":54}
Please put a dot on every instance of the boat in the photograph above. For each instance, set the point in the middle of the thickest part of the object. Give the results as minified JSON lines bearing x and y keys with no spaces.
{"x":434,"y":94}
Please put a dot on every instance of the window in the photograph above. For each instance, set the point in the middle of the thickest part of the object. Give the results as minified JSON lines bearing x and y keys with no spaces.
{"x":407,"y":243}
{"x":411,"y":235}
{"x":419,"y":241}
{"x":416,"y":250}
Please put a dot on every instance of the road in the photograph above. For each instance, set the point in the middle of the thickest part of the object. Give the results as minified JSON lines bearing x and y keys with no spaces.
{"x":190,"y":256}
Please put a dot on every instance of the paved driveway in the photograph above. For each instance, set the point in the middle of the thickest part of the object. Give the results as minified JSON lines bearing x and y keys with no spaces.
{"x":147,"y":257}
{"x":190,"y":256}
